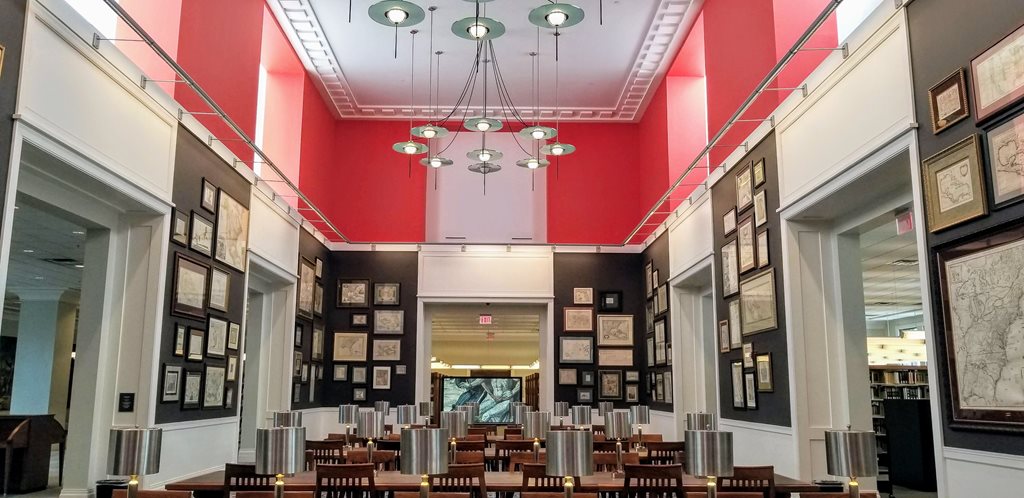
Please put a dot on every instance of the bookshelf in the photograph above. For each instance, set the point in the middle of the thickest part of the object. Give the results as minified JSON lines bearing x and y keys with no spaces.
{"x":892,"y":382}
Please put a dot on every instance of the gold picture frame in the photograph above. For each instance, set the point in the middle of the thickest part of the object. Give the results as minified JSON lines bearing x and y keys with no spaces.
{"x":947,"y":101}
{"x":953,"y":188}
{"x":1,"y":61}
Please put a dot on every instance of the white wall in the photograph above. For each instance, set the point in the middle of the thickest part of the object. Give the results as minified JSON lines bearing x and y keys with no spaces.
{"x":689,"y":237}
{"x":762,"y":444}
{"x":275,"y":235}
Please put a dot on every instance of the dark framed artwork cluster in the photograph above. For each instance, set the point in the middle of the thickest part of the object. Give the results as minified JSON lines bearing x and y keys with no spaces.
{"x":605,"y":339}
{"x":657,"y":381}
{"x":310,"y":328}
{"x":375,"y":330}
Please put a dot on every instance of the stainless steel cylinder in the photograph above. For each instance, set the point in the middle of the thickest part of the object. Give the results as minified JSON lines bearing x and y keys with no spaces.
{"x":851,"y":453}
{"x":536,"y":425}
{"x":561,"y":408}
{"x":426,"y":408}
{"x":701,"y":421}
{"x":472,"y":411}
{"x":134,"y":451}
{"x":519,"y":414}
{"x":570,"y":453}
{"x":406,"y":415}
{"x":280,"y":450}
{"x":457,"y":423}
{"x":424,"y":451}
{"x":370,"y":424}
{"x":287,"y":419}
{"x":382,"y":406}
{"x":709,"y":453}
{"x":617,"y":426}
{"x":604,"y":408}
{"x":347,"y":414}
{"x":639,"y":415}
{"x":581,"y":415}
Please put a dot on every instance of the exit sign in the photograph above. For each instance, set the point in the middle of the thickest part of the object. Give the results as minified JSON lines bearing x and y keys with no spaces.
{"x":485,"y":319}
{"x":904,"y":222}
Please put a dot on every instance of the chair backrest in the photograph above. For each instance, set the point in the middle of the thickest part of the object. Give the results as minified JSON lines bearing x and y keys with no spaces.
{"x":251,"y":494}
{"x":394,"y":445}
{"x":502,"y":450}
{"x":461,"y":478}
{"x":605,"y":462}
{"x":608,"y":446}
{"x":483,"y":429}
{"x":469,"y":445}
{"x":155,"y":493}
{"x":551,"y":494}
{"x":518,"y":459}
{"x":333,"y":436}
{"x":513,"y":431}
{"x":743,"y":494}
{"x":597,"y":429}
{"x":469,"y":456}
{"x":535,"y":478}
{"x":415,"y":494}
{"x":380,"y":458}
{"x":664,"y":453}
{"x":336,"y":481}
{"x":645,"y":481}
{"x":635,"y":438}
{"x":238,"y":477}
{"x":750,"y":478}
{"x":562,"y":428}
{"x":474,"y":437}
{"x":324,"y":452}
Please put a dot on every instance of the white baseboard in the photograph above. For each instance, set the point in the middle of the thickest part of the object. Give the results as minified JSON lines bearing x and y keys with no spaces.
{"x":754,"y":426}
{"x":1004,"y":460}
{"x":77,"y":493}
{"x":161,"y":484}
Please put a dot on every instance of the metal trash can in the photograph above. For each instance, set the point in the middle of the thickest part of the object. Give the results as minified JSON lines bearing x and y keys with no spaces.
{"x":105,"y":488}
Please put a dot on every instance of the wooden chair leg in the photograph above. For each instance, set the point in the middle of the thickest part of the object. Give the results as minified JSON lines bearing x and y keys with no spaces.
{"x":60,"y":463}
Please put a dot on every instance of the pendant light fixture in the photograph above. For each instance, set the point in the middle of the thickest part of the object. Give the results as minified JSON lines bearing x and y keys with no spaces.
{"x":429,"y":131}
{"x":396,"y":13}
{"x":409,"y":146}
{"x":556,"y":16}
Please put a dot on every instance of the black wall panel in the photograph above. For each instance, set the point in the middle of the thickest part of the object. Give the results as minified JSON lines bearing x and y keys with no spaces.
{"x":657,"y":254}
{"x":310,"y":250}
{"x":12,"y":31}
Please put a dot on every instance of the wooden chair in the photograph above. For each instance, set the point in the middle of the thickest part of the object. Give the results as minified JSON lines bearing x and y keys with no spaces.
{"x":562,"y":428}
{"x":647,"y":481}
{"x":600,"y":437}
{"x":518,"y":459}
{"x":333,"y":436}
{"x":535,"y":478}
{"x":414,"y":494}
{"x":467,"y":478}
{"x":382,"y":459}
{"x":608,"y":446}
{"x":483,"y":429}
{"x":394,"y":445}
{"x":239,"y":477}
{"x":469,"y":445}
{"x":324,"y":452}
{"x":502,"y":450}
{"x":664,"y":452}
{"x":759,"y":479}
{"x":474,"y":437}
{"x":560,"y":494}
{"x":605,"y":462}
{"x":597,"y":429}
{"x":344,"y":481}
{"x":254,"y":494}
{"x":469,"y":457}
{"x":740,"y":494}
{"x":161,"y":493}
{"x":648,"y":438}
{"x":513,"y":431}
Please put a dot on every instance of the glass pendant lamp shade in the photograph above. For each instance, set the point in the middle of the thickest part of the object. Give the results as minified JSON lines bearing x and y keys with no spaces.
{"x":533,"y":163}
{"x":538,"y":133}
{"x":557,"y":149}
{"x":484,"y":155}
{"x":410,"y":147}
{"x":478,"y":28}
{"x":485,"y":168}
{"x":430,"y":131}
{"x":436,"y":162}
{"x":483,"y":124}
{"x":556,"y":15}
{"x":396,"y":13}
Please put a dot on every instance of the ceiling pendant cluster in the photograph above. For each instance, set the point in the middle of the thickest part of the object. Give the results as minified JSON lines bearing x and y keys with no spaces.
{"x":538,"y":139}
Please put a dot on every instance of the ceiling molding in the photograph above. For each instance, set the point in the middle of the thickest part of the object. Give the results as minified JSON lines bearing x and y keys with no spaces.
{"x":669,"y":26}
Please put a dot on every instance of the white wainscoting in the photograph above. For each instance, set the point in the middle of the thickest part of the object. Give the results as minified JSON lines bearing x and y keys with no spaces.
{"x":981,"y":474}
{"x":762,"y":444}
{"x":689,"y":237}
{"x":664,"y":423}
{"x":487,"y":273}
{"x":199,"y":447}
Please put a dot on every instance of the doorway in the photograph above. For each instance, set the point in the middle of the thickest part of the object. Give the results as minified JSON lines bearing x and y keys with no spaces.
{"x":695,"y":329}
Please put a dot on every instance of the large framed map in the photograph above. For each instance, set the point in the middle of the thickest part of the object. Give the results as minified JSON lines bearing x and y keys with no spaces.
{"x":982,"y":283}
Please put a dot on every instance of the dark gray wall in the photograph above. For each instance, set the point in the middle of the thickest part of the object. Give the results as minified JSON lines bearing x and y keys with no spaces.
{"x":944,"y":36}
{"x":773,"y":407}
{"x":309,"y":250}
{"x":658,"y":255}
{"x":12,"y":30}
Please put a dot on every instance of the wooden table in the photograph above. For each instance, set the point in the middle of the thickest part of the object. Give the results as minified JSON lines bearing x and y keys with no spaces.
{"x":212,"y":485}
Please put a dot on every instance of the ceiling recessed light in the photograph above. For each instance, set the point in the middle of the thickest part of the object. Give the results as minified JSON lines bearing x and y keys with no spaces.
{"x":27,"y":251}
{"x":37,"y":278}
{"x":78,"y":232}
{"x":79,"y":266}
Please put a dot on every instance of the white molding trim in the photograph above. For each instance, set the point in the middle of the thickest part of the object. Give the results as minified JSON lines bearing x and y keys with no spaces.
{"x":195,"y":424}
{"x":669,"y":27}
{"x":1015,"y":462}
{"x":190,"y":475}
{"x":75,"y":493}
{"x":754,"y":426}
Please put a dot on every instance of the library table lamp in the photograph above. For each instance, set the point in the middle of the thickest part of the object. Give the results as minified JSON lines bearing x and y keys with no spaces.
{"x":638,"y":416}
{"x":134,"y":452}
{"x":570,"y":453}
{"x":536,"y":426}
{"x":616,"y":426}
{"x":406,"y":415}
{"x":370,"y":425}
{"x":457,"y":425}
{"x":709,"y":455}
{"x":472,"y":411}
{"x":427,"y":410}
{"x":561,"y":411}
{"x":423,"y":454}
{"x":604,"y":408}
{"x":851,"y":454}
{"x":581,"y":416}
{"x":280,"y":451}
{"x":519,"y":414}
{"x":287,"y":419}
{"x":347,"y":415}
{"x":700,"y":421}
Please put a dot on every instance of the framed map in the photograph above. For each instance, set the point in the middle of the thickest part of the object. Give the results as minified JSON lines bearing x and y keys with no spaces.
{"x":953,"y":190}
{"x":997,"y":76}
{"x":1006,"y":161}
{"x":757,"y":298}
{"x":730,"y":269}
{"x":982,"y":285}
{"x":578,"y":319}
{"x":615,"y":330}
{"x":577,"y":350}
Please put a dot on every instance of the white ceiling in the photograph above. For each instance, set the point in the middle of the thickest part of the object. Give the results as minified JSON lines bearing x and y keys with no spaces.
{"x":606,"y":71}
{"x":45,"y":248}
{"x":892,"y":282}
{"x":513,"y":338}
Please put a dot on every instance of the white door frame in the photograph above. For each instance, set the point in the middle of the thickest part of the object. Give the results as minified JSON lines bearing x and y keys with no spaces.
{"x":695,"y":365}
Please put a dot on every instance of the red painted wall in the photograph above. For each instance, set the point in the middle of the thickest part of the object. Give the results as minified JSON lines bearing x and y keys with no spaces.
{"x":283,"y":102}
{"x":792,"y":18}
{"x":161,"y":20}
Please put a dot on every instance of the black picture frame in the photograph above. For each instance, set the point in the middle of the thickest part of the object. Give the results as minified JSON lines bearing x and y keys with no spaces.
{"x":177,"y":307}
{"x":992,"y":153}
{"x":379,"y":300}
{"x":363,"y":303}
{"x":186,"y":375}
{"x":586,"y":377}
{"x":209,"y":204}
{"x":359,"y":320}
{"x":610,"y":301}
{"x":957,"y":80}
{"x":180,"y":228}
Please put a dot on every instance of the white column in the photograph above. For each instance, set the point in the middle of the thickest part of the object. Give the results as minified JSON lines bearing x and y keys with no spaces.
{"x":42,"y":363}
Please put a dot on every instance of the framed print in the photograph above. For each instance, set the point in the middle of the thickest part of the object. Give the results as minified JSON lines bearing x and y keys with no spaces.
{"x":659,"y":387}
{"x":179,"y":228}
{"x":649,"y":278}
{"x":307,"y":282}
{"x":947,"y":101}
{"x":387,"y":350}
{"x":192,"y":392}
{"x":208,"y":197}
{"x":232,"y":232}
{"x":668,"y":386}
{"x":213,"y":387}
{"x":567,"y":376}
{"x":229,"y":398}
{"x":739,"y":398}
{"x":359,"y":319}
{"x":632,"y":376}
{"x":757,"y":297}
{"x":723,"y":337}
{"x":614,"y":330}
{"x":609,"y":384}
{"x":353,"y":293}
{"x":296,"y":393}
{"x":953,"y":192}
{"x":391,"y":322}
{"x":234,"y":335}
{"x":170,"y":392}
{"x":662,"y":299}
{"x":730,"y":269}
{"x":196,"y":338}
{"x":655,"y":278}
{"x":317,"y":347}
{"x":349,"y":347}
{"x":359,"y":394}
{"x":305,"y":373}
{"x":586,"y":377}
{"x":744,"y":189}
{"x":358,"y":375}
{"x":759,"y":173}
{"x":584,"y":395}
{"x":381,"y":378}
{"x":387,"y":294}
{"x":298,"y":335}
{"x":765,"y":384}
{"x":614,"y":357}
{"x":729,"y":222}
{"x":216,"y":337}
{"x":610,"y":301}
{"x":180,"y":340}
{"x":977,"y":276}
{"x":232,"y":368}
{"x":735,"y":330}
{"x":745,"y":239}
{"x":189,"y":294}
{"x":649,"y":316}
{"x":201,"y":239}
{"x":996,"y":76}
{"x":297,"y":364}
{"x":659,"y":342}
{"x":1,"y":60}
{"x":632,"y":393}
{"x":399,"y":369}
{"x":762,"y":249}
{"x":340,"y":373}
{"x":582,"y":295}
{"x":650,"y":351}
{"x":318,"y":299}
{"x":750,"y":389}
{"x":318,"y":265}
{"x":1005,"y":144}
{"x":748,"y":355}
{"x":578,"y":319}
{"x":220,"y":289}
{"x":577,"y":350}
{"x":760,"y":208}
{"x":655,"y":304}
